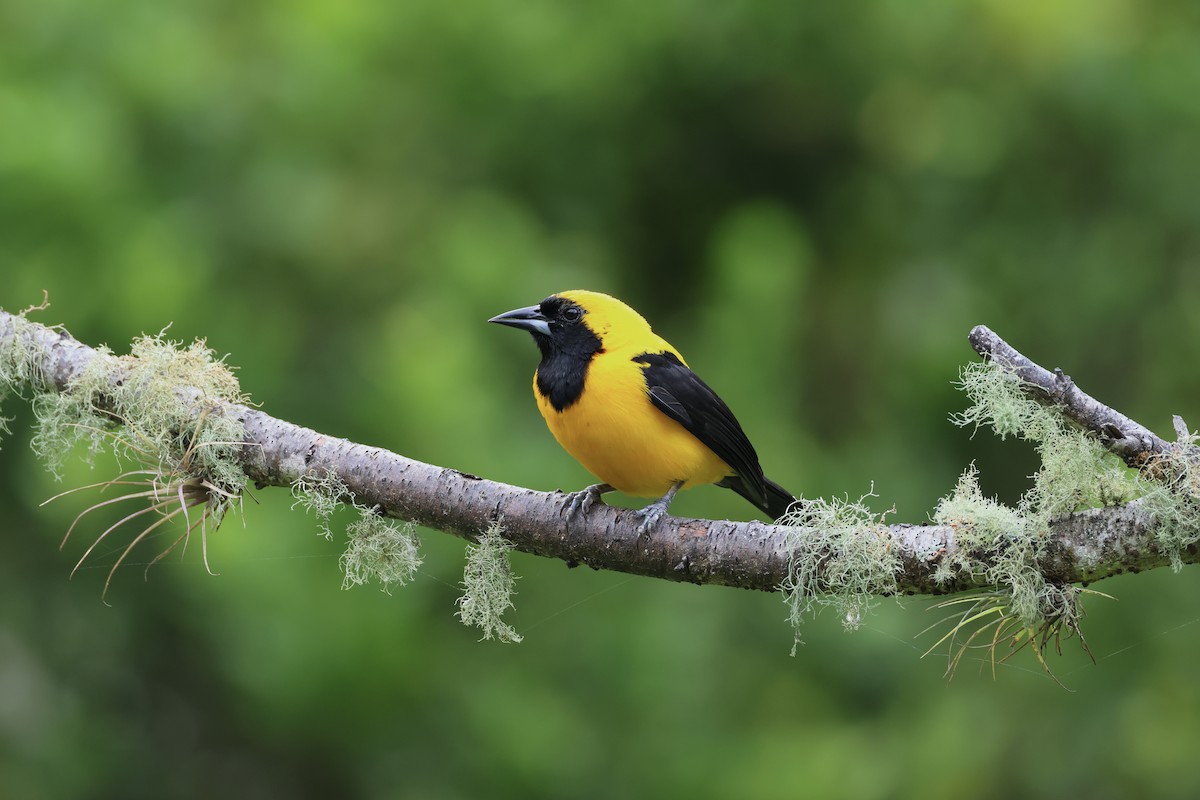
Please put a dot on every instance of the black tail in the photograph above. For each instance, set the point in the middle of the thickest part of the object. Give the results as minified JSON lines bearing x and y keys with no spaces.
{"x":776,"y":501}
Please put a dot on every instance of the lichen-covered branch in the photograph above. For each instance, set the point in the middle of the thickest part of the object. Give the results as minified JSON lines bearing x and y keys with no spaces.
{"x":1082,"y":546}
{"x":1136,"y":444}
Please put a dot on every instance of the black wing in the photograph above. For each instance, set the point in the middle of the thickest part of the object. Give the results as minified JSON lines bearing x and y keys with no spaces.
{"x":680,"y":394}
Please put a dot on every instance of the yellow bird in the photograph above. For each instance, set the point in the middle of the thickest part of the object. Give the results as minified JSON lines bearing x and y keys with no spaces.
{"x":625,"y":404}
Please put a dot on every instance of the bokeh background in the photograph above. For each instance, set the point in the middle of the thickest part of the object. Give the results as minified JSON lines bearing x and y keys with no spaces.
{"x":814,"y":202}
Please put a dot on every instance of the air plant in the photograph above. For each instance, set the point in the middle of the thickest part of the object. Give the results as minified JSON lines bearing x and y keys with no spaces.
{"x":988,"y":623}
{"x":172,"y":492}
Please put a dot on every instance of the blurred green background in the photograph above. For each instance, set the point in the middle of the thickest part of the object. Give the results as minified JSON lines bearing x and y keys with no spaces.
{"x":814,"y":202}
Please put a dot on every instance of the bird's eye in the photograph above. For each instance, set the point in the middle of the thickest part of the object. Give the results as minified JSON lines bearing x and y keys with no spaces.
{"x":572,"y":314}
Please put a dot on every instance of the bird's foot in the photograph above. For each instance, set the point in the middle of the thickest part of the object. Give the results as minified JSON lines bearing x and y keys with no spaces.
{"x":651,"y":514}
{"x":580,"y":502}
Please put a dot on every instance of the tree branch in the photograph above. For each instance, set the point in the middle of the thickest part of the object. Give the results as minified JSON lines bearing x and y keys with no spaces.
{"x":1134,"y":443}
{"x":1084,"y":546}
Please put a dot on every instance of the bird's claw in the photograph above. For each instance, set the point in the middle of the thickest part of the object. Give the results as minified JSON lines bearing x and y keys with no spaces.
{"x":650,"y":515}
{"x":581,"y":502}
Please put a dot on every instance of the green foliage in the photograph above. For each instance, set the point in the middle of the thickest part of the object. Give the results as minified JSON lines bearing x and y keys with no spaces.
{"x":813,"y":201}
{"x":488,"y":586}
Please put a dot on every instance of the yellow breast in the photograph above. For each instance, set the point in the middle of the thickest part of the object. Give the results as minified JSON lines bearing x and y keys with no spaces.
{"x":615,"y":431}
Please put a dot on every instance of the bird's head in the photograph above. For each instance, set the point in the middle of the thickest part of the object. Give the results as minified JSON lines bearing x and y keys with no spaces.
{"x":577,"y":322}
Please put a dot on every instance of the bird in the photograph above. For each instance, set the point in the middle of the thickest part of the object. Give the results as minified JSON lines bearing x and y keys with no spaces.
{"x":625,"y":404}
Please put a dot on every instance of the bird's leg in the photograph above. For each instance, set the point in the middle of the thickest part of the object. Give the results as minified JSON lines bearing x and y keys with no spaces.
{"x":652,"y":513}
{"x":579,"y":502}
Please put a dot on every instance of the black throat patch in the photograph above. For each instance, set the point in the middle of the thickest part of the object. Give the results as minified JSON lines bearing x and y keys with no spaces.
{"x":566,"y":355}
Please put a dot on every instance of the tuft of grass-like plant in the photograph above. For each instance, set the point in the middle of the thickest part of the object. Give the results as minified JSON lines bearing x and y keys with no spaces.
{"x":983,"y":621}
{"x":169,"y":496}
{"x":161,"y":408}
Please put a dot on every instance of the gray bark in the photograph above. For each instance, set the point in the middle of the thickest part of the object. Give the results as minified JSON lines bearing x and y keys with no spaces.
{"x":1085,"y":546}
